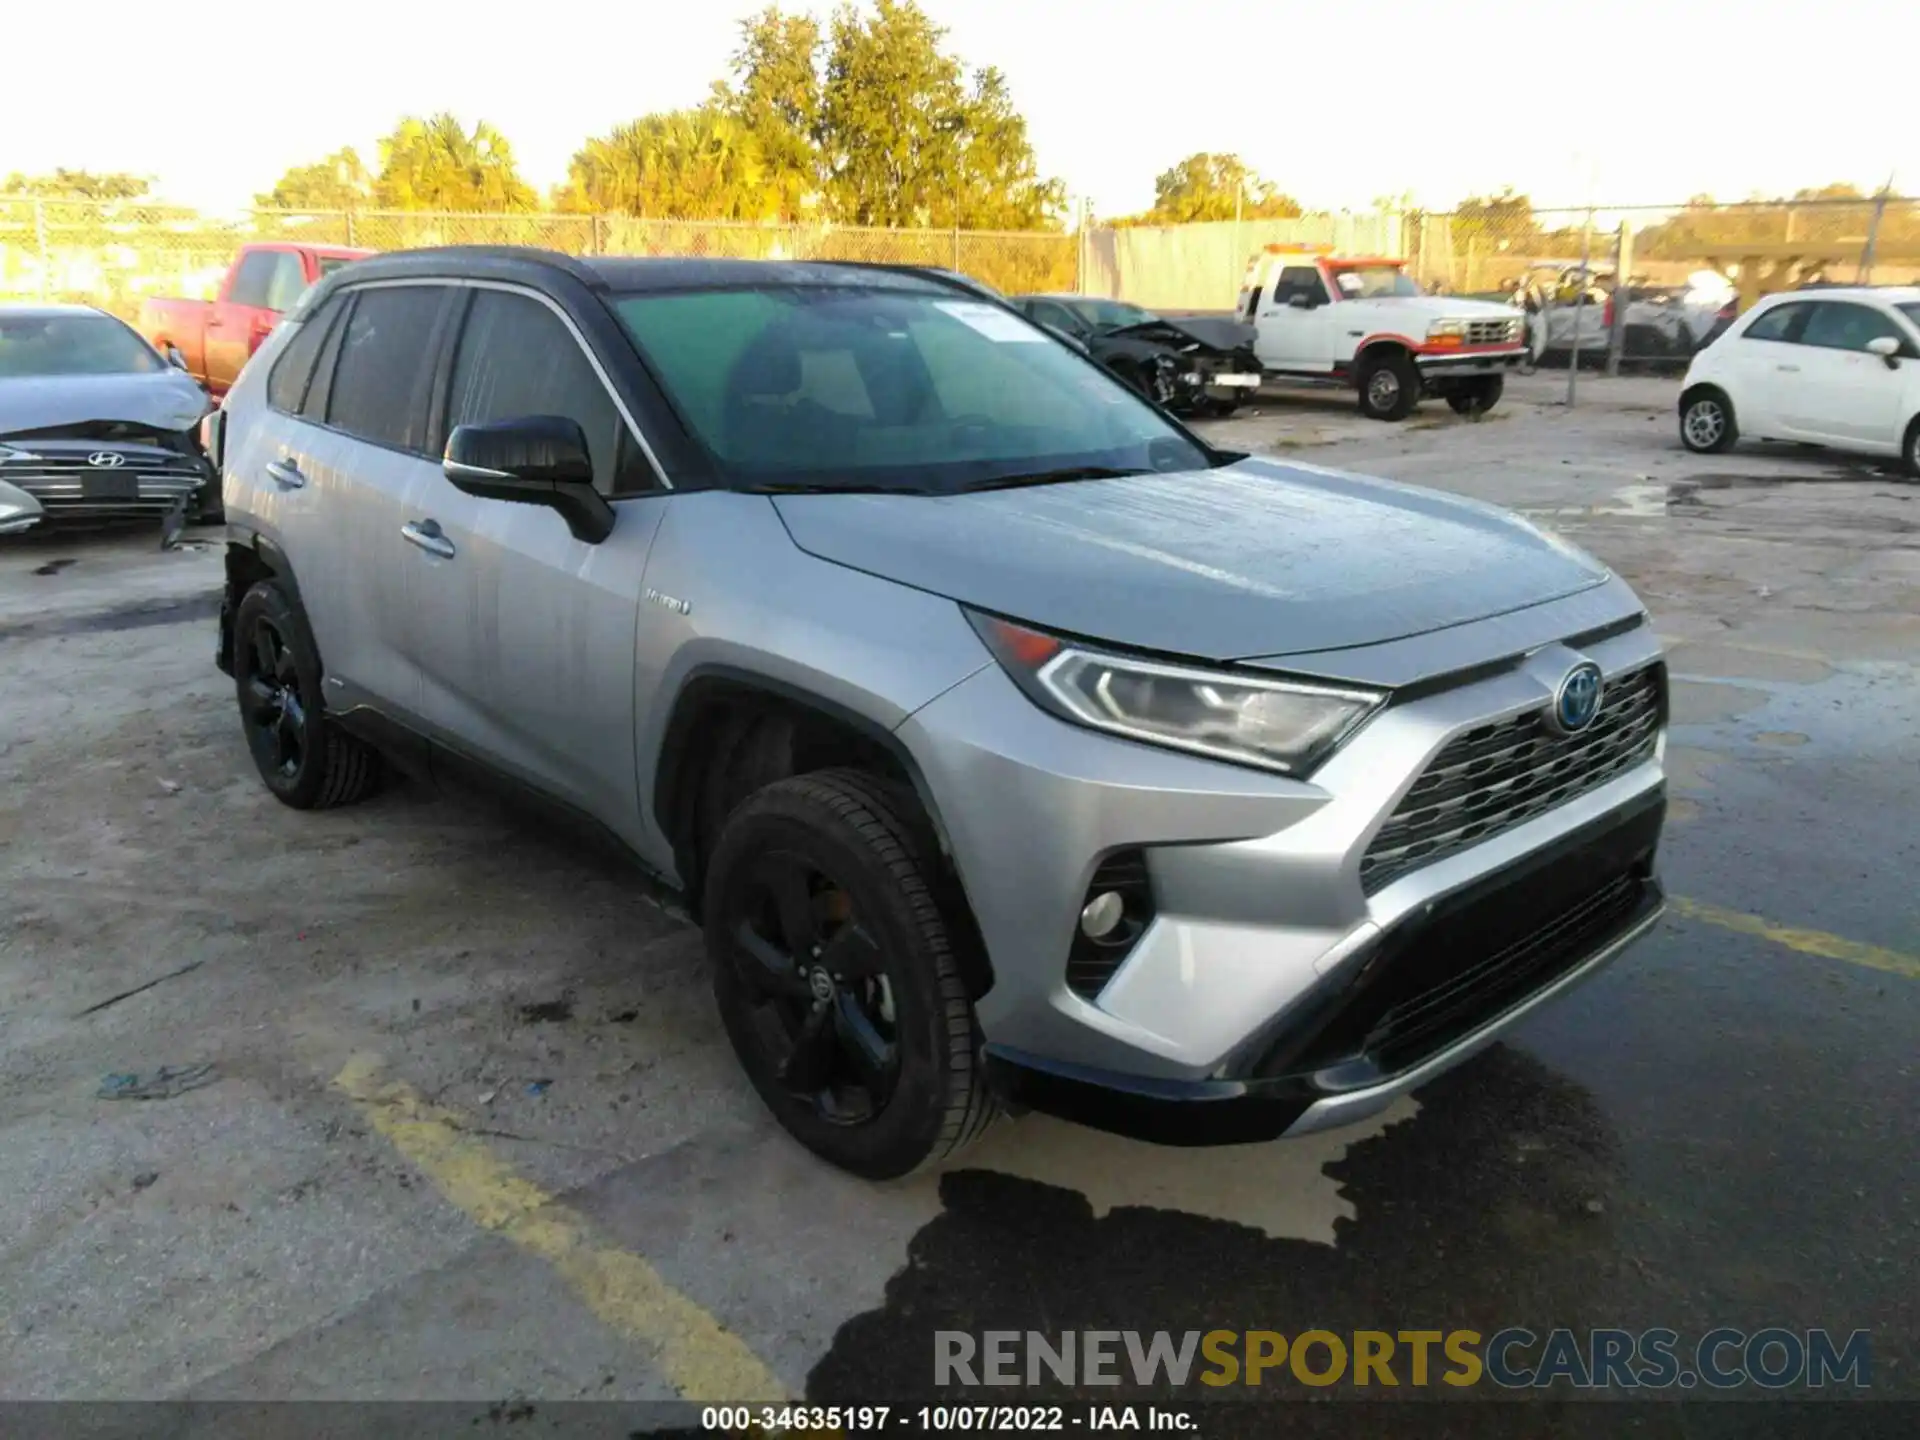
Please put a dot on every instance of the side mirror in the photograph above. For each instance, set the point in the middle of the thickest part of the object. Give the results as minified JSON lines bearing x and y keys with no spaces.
{"x":174,"y":357}
{"x":534,"y":460}
{"x":1300,"y":302}
{"x":1887,"y":348}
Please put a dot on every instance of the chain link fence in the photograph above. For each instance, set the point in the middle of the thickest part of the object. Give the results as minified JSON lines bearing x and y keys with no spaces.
{"x":1627,"y":284}
{"x":1650,"y":285}
{"x":115,"y":255}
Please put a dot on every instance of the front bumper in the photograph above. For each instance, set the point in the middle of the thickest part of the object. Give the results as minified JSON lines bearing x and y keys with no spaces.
{"x":1265,"y":949}
{"x":66,"y":484}
{"x":1472,"y":362}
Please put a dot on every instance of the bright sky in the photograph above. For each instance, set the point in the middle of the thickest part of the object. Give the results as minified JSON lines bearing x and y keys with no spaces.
{"x":1337,"y":104}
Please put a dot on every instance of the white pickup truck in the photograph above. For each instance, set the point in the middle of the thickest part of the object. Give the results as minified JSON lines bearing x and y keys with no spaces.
{"x":1362,"y":322}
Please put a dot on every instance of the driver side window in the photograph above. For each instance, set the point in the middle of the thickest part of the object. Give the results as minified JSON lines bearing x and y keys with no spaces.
{"x":1299,"y":280}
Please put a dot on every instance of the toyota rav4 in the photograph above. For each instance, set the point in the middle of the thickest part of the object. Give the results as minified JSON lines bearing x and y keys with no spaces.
{"x":1014,"y":748}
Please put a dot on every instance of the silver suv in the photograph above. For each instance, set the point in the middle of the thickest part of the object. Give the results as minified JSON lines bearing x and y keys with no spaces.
{"x":1015,"y":748}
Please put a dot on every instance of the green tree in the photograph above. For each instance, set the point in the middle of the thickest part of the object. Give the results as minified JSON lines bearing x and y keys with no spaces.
{"x":699,"y":164}
{"x":1494,"y":219}
{"x":68,"y":184}
{"x":904,"y":139}
{"x":438,"y":164}
{"x":1204,"y":187}
{"x":776,"y":96}
{"x":339,"y":182}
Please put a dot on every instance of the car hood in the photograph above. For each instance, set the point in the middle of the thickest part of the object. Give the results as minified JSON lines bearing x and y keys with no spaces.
{"x":1255,"y":559}
{"x":1214,"y":332}
{"x":165,"y":400}
{"x":1438,"y":307}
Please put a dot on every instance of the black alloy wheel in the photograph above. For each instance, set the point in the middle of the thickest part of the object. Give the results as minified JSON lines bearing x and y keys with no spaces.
{"x":276,"y":713}
{"x":823,"y":1003}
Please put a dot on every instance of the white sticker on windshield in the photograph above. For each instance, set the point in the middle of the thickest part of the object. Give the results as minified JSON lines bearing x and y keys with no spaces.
{"x":994,"y":323}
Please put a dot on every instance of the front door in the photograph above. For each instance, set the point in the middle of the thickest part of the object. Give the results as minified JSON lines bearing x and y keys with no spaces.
{"x":1294,"y":322}
{"x":524,"y":636}
{"x":1847,"y":395}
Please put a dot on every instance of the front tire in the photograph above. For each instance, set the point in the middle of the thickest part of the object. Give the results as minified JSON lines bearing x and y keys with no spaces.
{"x":1476,"y":397}
{"x":838,"y":976}
{"x":1910,"y":452}
{"x":1706,"y":422}
{"x":302,"y":756}
{"x":1389,"y":386}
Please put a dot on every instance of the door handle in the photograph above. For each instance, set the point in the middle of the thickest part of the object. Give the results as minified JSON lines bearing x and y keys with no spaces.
{"x":427,"y":535}
{"x":286,"y":474}
{"x":1790,"y":369}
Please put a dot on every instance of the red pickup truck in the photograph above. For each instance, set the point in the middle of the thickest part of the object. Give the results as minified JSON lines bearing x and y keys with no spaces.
{"x":216,"y":337}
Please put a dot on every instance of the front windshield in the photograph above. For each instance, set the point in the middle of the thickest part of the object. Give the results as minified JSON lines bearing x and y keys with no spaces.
{"x":1110,"y":314}
{"x":36,"y":344}
{"x":917,"y":391}
{"x":1374,"y":282}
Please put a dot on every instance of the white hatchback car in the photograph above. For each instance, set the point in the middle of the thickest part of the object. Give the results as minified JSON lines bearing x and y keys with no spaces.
{"x":1836,"y":367}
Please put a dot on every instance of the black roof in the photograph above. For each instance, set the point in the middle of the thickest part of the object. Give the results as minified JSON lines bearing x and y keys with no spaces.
{"x":640,"y":273}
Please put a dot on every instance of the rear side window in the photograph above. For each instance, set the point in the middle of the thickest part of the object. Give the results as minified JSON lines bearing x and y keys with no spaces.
{"x":380,"y":379}
{"x":292,"y":373}
{"x":516,"y":359}
{"x":289,"y":279}
{"x":253,"y":279}
{"x":1782,"y":323}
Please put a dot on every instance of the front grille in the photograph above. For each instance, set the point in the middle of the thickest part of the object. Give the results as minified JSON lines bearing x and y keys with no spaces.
{"x":69,"y":486}
{"x":1431,"y":1019}
{"x":1492,"y":332}
{"x":1450,"y":970}
{"x":1497,"y":776}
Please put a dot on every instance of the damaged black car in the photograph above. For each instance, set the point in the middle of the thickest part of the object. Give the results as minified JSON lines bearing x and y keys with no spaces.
{"x":1192,"y":365}
{"x":95,"y":424}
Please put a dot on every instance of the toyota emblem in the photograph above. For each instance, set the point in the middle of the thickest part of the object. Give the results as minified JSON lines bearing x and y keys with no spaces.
{"x":106,"y":459}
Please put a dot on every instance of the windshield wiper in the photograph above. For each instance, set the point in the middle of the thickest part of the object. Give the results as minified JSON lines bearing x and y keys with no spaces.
{"x":1062,"y":476}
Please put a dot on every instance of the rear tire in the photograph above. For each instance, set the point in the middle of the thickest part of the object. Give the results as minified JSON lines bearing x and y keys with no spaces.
{"x":1389,"y":386}
{"x":1706,"y":421}
{"x":838,"y":977}
{"x":1476,"y":397}
{"x":306,"y":760}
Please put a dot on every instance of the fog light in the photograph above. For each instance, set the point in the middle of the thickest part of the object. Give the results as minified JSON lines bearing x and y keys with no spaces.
{"x":1102,"y":915}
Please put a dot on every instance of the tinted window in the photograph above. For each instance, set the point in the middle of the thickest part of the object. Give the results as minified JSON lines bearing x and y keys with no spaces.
{"x":330,"y":263}
{"x":1058,"y":316}
{"x":255,"y":277}
{"x":287,"y":385}
{"x":916,"y":390}
{"x":1780,"y":323}
{"x":289,"y":279}
{"x":1298,"y":280}
{"x":380,"y":379}
{"x":72,"y":343}
{"x":517,"y":358}
{"x":1912,"y":312}
{"x":1846,"y":327}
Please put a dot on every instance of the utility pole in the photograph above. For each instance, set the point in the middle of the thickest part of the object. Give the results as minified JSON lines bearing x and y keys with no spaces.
{"x":1580,"y":306}
{"x":1865,"y":276}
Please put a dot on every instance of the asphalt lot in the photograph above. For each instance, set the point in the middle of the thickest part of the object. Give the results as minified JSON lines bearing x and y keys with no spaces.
{"x":473,"y":1131}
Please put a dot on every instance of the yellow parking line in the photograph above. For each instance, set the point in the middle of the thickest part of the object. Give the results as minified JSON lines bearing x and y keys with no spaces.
{"x":701,"y":1358}
{"x":1807,"y":942}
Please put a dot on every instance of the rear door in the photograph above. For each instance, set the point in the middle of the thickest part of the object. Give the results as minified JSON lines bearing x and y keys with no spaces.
{"x":356,"y":478}
{"x":238,"y":323}
{"x":1292,"y":329}
{"x":523,"y":635}
{"x":1847,"y":395}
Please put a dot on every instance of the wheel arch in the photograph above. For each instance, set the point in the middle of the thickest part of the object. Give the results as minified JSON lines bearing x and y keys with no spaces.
{"x":249,"y":560}
{"x":731,"y":732}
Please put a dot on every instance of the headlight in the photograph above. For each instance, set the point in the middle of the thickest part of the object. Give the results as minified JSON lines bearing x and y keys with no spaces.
{"x":1282,"y":725}
{"x":9,"y":452}
{"x":1440,"y":329}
